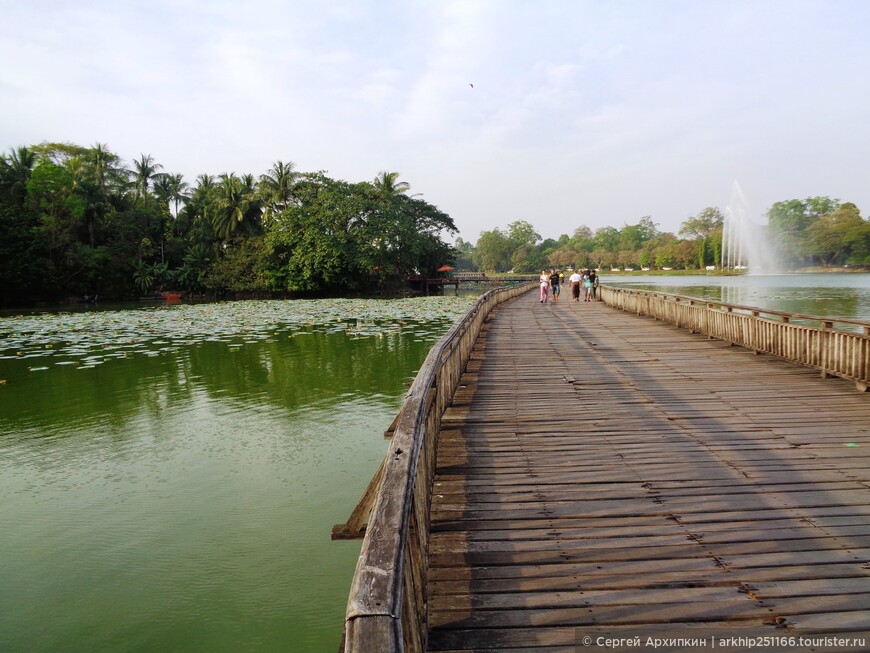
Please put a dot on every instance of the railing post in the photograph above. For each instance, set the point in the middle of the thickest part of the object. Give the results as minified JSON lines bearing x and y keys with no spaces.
{"x":824,"y":339}
{"x":863,"y":384}
{"x":753,"y":330}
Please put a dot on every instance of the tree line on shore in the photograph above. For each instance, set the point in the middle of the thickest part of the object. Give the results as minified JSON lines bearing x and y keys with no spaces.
{"x":77,"y":222}
{"x":814,"y":232}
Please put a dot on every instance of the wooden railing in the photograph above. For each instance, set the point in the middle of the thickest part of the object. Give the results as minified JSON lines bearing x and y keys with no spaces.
{"x":387,"y":607}
{"x":837,"y":347}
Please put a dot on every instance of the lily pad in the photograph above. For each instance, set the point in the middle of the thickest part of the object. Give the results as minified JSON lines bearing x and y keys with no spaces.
{"x":152,"y":331}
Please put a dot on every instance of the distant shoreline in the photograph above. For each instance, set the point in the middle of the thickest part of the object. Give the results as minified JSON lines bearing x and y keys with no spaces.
{"x":729,"y":273}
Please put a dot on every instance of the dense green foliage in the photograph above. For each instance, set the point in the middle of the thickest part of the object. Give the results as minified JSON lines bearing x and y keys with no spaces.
{"x":636,"y":246}
{"x":75,"y":222}
{"x":817,"y":231}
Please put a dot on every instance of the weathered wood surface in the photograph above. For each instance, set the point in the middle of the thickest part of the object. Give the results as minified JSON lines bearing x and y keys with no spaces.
{"x":600,"y":472}
{"x":387,"y":607}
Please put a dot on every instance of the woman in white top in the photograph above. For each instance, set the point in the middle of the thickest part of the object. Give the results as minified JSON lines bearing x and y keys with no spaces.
{"x":545,"y":286}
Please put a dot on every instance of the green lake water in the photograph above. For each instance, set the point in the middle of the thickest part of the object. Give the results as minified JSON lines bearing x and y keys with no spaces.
{"x":170,"y":475}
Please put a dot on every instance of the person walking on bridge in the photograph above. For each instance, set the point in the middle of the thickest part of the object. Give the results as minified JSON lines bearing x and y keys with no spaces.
{"x":555,"y":284}
{"x":545,"y":286}
{"x":574,"y":281}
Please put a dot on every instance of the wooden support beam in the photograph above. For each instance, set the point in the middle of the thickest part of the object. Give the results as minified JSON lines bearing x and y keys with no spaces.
{"x":355,"y":527}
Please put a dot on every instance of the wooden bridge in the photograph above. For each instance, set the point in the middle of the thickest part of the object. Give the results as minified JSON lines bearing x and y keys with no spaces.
{"x":605,"y":473}
{"x":433,"y":285}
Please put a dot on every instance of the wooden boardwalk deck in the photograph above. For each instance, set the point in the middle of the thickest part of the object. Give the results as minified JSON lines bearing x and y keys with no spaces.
{"x":603,"y":473}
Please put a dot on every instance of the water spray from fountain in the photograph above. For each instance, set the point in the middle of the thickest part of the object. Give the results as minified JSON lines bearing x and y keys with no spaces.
{"x":745,"y":244}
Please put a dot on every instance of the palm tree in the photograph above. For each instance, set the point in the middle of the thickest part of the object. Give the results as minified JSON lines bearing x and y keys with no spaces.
{"x":179,"y":189}
{"x":102,"y":163}
{"x":102,"y":169}
{"x":76,"y":167}
{"x":16,"y":168}
{"x":162,"y":186}
{"x":235,"y":204}
{"x":200,"y":204}
{"x":254,"y":211}
{"x":144,"y":170}
{"x":276,"y":187}
{"x":388,"y":184}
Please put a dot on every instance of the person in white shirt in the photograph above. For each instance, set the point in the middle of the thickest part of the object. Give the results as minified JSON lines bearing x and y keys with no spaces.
{"x":574,"y":281}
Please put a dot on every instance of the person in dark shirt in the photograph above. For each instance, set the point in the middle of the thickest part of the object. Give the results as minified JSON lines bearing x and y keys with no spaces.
{"x":554,"y":284}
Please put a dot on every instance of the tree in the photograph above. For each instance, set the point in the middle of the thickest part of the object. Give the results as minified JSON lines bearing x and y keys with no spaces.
{"x":464,"y":254}
{"x":21,"y":267}
{"x":191,"y":275}
{"x":633,"y":237}
{"x":526,"y":256}
{"x":522,"y":234}
{"x":418,"y":226}
{"x":240,"y":270}
{"x":840,"y":237}
{"x":276,"y":188}
{"x":15,"y":170}
{"x":389,"y":185}
{"x":492,"y":251}
{"x":582,"y":239}
{"x":789,"y":222}
{"x":606,"y":238}
{"x":178,"y":190}
{"x":528,"y":259}
{"x":236,"y":206}
{"x":144,"y":170}
{"x":338,"y":235}
{"x":666,"y":257}
{"x":705,"y":229}
{"x":566,"y":257}
{"x":201,"y":201}
{"x":648,"y":229}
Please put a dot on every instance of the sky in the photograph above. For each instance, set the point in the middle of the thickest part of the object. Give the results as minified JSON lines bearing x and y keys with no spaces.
{"x":561,"y":113}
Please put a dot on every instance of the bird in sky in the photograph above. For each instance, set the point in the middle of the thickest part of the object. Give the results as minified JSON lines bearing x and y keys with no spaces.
{"x":471,"y":85}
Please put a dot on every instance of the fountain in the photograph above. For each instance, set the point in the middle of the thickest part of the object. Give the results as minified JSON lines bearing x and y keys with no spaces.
{"x":745,"y":245}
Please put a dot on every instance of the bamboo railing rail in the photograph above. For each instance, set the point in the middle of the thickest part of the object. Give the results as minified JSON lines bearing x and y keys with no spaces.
{"x":387,"y":607}
{"x":791,"y":336}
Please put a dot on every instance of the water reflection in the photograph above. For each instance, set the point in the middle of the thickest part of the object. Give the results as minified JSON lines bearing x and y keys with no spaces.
{"x":170,"y":477}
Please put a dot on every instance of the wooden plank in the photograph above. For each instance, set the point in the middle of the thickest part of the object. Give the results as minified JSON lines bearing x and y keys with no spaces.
{"x":642,"y":576}
{"x":739,"y":609}
{"x":601,"y":471}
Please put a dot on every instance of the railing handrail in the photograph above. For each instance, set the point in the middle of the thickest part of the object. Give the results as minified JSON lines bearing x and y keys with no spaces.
{"x":835,"y":352}
{"x":755,"y":310}
{"x":386,"y":585}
